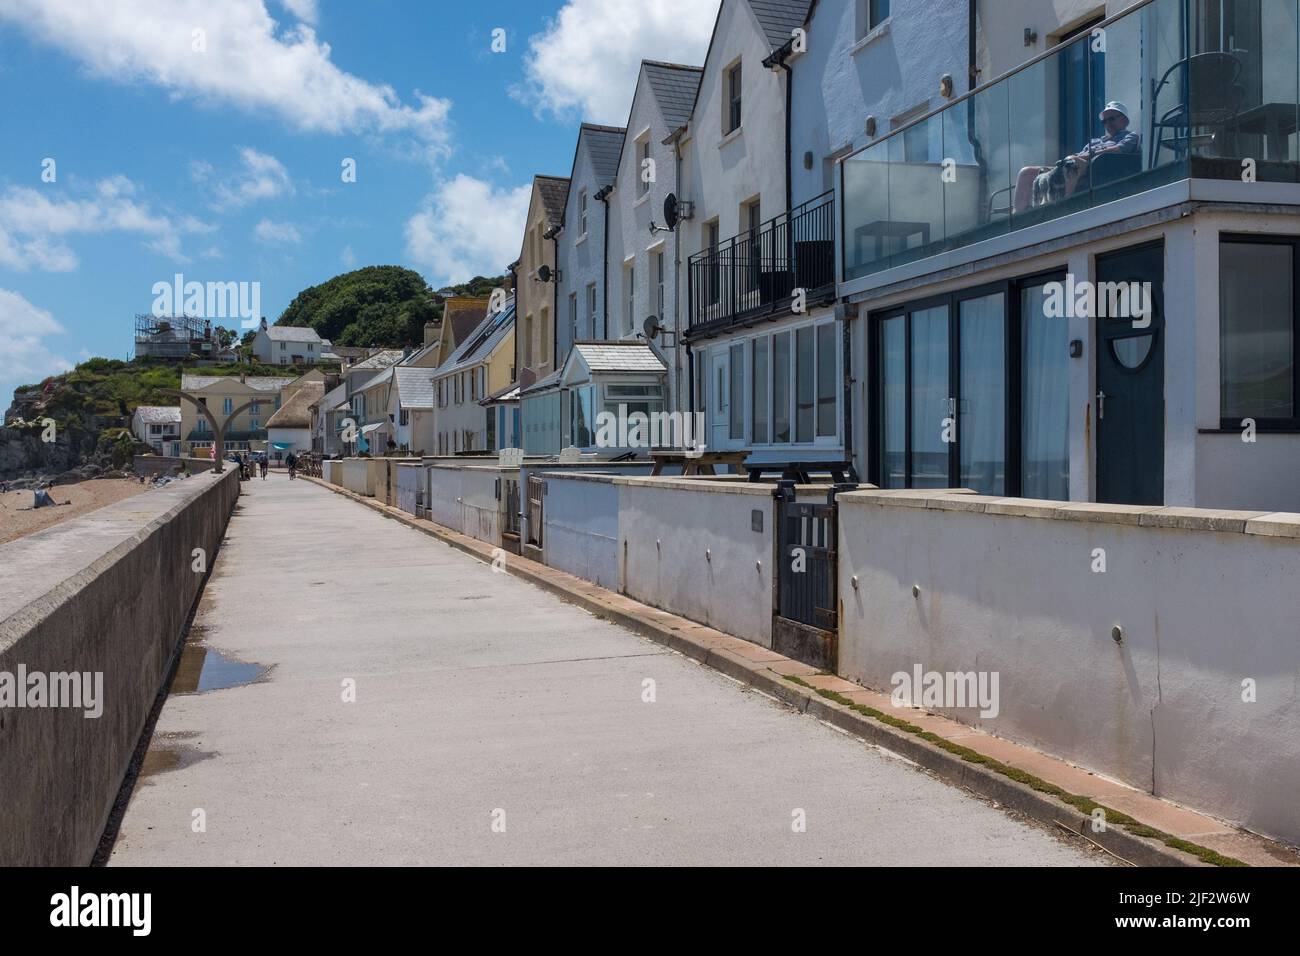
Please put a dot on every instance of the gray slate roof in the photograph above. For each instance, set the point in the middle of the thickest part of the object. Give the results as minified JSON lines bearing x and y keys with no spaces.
{"x":779,"y":17}
{"x":555,"y":193}
{"x":159,"y":414}
{"x":291,"y":333}
{"x":674,"y":86}
{"x":619,"y":357}
{"x":263,"y":383}
{"x":414,"y":386}
{"x":379,"y":360}
{"x":603,"y":145}
{"x":478,"y":345}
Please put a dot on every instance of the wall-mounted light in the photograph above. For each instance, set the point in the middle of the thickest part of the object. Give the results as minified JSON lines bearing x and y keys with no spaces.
{"x":1031,"y":36}
{"x":808,"y":159}
{"x":945,"y":86}
{"x":871,"y":126}
{"x":1076,"y":348}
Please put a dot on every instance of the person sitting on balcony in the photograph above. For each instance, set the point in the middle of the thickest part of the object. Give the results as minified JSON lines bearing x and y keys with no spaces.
{"x":1040,"y":185}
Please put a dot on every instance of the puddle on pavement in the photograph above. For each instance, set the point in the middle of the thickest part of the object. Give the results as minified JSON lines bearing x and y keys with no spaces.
{"x":204,"y":668}
{"x":164,"y":755}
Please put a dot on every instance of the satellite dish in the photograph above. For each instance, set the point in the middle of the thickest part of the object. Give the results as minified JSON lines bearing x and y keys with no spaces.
{"x":651,"y":326}
{"x":544,"y":273}
{"x":670,"y":211}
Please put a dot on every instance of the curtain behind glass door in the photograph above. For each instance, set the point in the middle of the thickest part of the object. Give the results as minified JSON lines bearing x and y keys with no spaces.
{"x":930,"y":392}
{"x":1045,"y":415}
{"x":981,"y":418}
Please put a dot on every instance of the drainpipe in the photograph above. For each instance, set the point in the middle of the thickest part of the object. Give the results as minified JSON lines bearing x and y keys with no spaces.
{"x":552,"y":235}
{"x":603,"y":196}
{"x":972,"y":12}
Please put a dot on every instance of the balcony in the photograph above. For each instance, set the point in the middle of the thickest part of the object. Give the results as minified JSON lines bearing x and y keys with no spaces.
{"x":1207,"y":85}
{"x":756,"y":273}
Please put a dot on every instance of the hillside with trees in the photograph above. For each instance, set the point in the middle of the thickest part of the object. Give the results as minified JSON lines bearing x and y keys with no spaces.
{"x":373,"y":306}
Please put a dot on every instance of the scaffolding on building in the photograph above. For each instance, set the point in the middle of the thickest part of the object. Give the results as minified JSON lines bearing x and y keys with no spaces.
{"x":178,"y":337}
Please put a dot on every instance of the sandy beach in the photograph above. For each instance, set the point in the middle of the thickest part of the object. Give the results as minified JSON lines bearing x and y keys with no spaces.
{"x":85,"y":497}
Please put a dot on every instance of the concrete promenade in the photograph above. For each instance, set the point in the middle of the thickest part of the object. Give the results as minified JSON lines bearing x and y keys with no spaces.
{"x":495,"y":724}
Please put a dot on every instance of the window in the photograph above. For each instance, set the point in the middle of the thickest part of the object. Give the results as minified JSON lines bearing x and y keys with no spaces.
{"x":643,"y":166}
{"x":591,"y":310}
{"x":629,"y":286}
{"x":781,"y":387}
{"x":803,"y":389}
{"x":827,"y":425}
{"x":736,"y":364}
{"x":404,"y":417}
{"x":761,"y":433}
{"x":201,"y":425}
{"x":283,"y":346}
{"x":658,"y":259}
{"x":473,"y":385}
{"x":582,"y":212}
{"x":254,"y":424}
{"x":871,"y":14}
{"x":732,"y":120}
{"x":528,"y":341}
{"x":1257,"y":332}
{"x":573,"y":316}
{"x":227,"y":406}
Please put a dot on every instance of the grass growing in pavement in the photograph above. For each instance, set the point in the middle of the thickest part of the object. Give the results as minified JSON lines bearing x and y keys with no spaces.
{"x":1085,"y":804}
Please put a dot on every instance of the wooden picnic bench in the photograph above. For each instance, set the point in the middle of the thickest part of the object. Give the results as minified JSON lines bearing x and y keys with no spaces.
{"x":693,"y":463}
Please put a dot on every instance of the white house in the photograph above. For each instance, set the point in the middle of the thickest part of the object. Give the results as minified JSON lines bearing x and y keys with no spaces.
{"x":287,"y":345}
{"x":765,"y":350}
{"x":290,"y":428}
{"x":158,"y":426}
{"x":995,"y":343}
{"x":411,"y":408}
{"x":645,"y":254}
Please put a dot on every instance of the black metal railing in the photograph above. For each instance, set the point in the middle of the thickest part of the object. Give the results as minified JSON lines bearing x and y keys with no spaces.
{"x":760,"y":269}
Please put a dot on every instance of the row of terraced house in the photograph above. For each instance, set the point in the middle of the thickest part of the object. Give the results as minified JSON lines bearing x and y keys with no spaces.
{"x":989,"y":311}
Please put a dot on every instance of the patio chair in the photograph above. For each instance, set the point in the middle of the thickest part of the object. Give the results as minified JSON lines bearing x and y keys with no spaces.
{"x":1209,"y":97}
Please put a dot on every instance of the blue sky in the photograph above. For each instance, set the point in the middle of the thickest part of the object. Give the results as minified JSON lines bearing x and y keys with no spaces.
{"x":218,"y":154}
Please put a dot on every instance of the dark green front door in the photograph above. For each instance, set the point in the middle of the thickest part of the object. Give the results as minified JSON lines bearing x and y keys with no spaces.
{"x":1129,"y":405}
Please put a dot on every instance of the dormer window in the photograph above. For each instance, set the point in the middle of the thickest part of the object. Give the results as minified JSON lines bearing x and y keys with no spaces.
{"x":732,"y":118}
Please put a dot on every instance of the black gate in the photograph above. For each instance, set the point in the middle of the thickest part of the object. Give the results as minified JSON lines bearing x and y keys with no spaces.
{"x":510,"y":531}
{"x":807,"y":600}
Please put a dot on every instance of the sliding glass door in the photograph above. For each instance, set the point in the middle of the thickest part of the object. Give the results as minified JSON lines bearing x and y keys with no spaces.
{"x":972,"y":392}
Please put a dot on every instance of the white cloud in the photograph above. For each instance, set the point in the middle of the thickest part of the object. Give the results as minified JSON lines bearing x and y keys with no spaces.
{"x":276,"y":232}
{"x":467,"y":227}
{"x":584,"y":64}
{"x":33,"y":226}
{"x":305,"y":10}
{"x":261,"y":176}
{"x":247,"y":59}
{"x":348,"y":258}
{"x":24,"y":357}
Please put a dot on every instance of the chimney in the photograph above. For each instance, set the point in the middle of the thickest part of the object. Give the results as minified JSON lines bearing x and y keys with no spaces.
{"x":263,"y":323}
{"x":431,"y":330}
